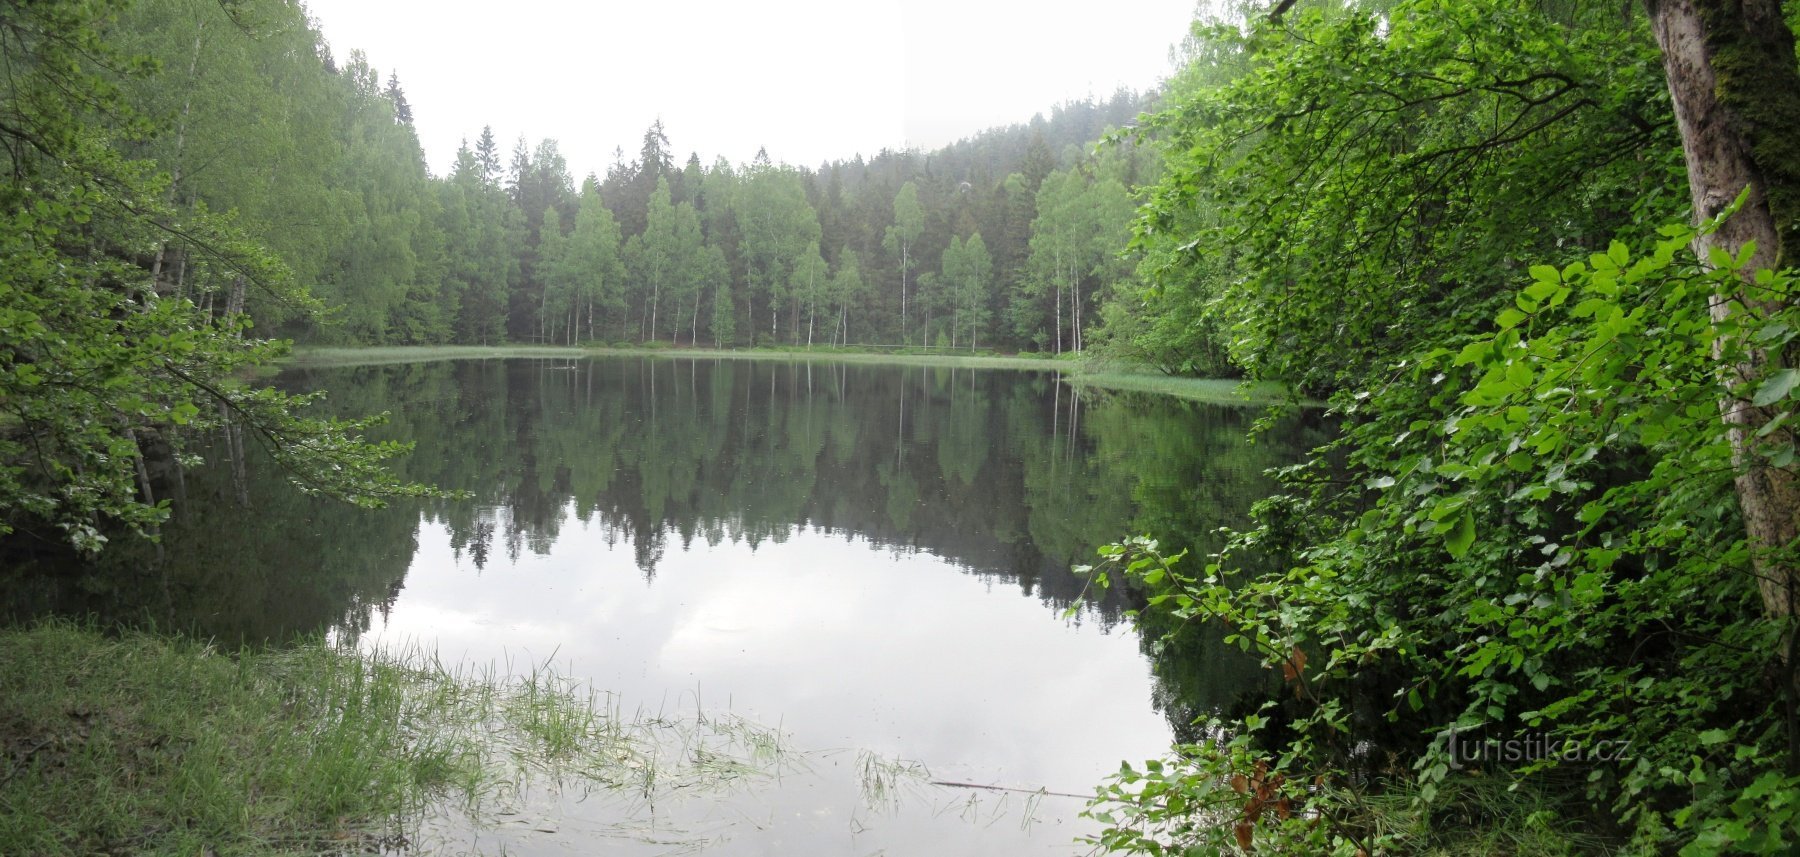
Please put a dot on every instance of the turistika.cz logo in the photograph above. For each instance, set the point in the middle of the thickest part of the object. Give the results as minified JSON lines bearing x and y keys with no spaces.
{"x":1467,"y":748}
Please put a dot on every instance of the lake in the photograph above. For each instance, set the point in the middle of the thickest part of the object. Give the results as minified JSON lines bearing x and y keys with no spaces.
{"x":871,"y":562}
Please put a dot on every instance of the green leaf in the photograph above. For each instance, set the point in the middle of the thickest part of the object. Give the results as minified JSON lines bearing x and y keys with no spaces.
{"x":1540,"y":290}
{"x":1475,"y":352}
{"x":1618,"y":253}
{"x":1769,"y":427}
{"x":1744,"y":254}
{"x":1716,"y":257}
{"x":1776,"y":387}
{"x":1773,"y":331}
{"x":1462,"y":535}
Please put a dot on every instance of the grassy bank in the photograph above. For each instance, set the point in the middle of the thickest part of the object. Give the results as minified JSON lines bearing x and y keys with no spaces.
{"x":145,"y":745}
{"x":1197,"y":389}
{"x":1083,"y":373}
{"x":376,"y":355}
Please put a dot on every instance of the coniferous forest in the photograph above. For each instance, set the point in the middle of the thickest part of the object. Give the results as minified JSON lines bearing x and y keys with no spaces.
{"x":1539,"y":594}
{"x":1005,"y":240}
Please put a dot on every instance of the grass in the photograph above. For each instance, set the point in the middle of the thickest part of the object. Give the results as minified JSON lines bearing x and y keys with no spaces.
{"x":1474,"y":816}
{"x":1080,"y":372}
{"x":137,"y":744}
{"x":376,"y":355}
{"x":1218,"y":390}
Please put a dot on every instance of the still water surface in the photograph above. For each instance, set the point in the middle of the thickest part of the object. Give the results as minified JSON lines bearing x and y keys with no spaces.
{"x":871,"y":560}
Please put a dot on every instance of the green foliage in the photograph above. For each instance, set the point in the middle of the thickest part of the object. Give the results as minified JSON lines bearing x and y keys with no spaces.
{"x":1530,"y":529}
{"x":1540,"y":538}
{"x":104,"y":361}
{"x":777,"y":224}
{"x":1342,"y":186}
{"x":968,"y":271}
{"x":480,"y":258}
{"x":909,"y":221}
{"x":323,"y":167}
{"x":1076,"y":241}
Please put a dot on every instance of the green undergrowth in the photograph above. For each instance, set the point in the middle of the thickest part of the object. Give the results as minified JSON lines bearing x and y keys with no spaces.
{"x":138,"y":744}
{"x":1475,"y":816}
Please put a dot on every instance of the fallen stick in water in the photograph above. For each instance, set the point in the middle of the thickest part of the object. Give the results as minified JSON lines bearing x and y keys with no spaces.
{"x":1006,"y":789}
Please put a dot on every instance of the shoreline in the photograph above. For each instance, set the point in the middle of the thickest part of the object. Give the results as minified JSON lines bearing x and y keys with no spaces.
{"x":1081,"y":373}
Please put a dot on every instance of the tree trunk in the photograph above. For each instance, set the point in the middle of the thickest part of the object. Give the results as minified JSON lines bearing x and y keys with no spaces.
{"x":181,"y":275}
{"x":1074,"y":311}
{"x":1736,"y":92}
{"x":187,"y":107}
{"x":655,"y":303}
{"x":234,"y":303}
{"x":903,"y":261}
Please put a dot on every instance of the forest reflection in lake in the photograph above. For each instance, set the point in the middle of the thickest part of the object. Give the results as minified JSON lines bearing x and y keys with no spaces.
{"x":876,"y":558}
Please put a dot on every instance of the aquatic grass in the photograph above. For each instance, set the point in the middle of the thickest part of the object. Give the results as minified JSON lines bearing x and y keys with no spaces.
{"x":1214,"y":390}
{"x":557,"y":714}
{"x":883,"y":780}
{"x":168,"y":746}
{"x":143,"y":744}
{"x":151,"y":745}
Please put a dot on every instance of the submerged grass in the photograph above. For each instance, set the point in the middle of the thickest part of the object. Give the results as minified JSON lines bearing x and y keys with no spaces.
{"x":147,"y":745}
{"x":1111,"y":376}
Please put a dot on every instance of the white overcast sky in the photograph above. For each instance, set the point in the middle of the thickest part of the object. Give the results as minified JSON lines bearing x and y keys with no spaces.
{"x":810,"y":79}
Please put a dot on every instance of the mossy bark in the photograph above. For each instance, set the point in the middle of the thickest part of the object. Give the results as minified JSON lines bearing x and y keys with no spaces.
{"x":1735,"y":85}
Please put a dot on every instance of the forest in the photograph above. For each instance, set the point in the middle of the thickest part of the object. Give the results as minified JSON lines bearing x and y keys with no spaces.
{"x":1008,"y":239}
{"x":1535,"y":254}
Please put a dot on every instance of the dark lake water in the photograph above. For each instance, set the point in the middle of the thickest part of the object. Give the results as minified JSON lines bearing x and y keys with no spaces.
{"x":874,"y":560}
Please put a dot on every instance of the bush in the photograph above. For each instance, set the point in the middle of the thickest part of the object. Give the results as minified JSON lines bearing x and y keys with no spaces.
{"x":1536,"y":541}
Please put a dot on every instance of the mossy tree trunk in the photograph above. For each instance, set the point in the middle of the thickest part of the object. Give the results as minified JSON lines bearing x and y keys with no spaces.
{"x":1736,"y":90}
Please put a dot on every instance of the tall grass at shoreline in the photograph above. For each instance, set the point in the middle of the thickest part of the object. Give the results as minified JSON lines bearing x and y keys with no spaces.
{"x":143,"y":744}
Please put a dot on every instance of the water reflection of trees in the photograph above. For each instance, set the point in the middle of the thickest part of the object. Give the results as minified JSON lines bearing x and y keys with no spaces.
{"x":1011,"y":476}
{"x":281,"y":565}
{"x":1008,"y":475}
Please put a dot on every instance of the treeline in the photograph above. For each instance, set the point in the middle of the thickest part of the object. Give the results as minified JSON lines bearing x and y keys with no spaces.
{"x":1009,"y":239}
